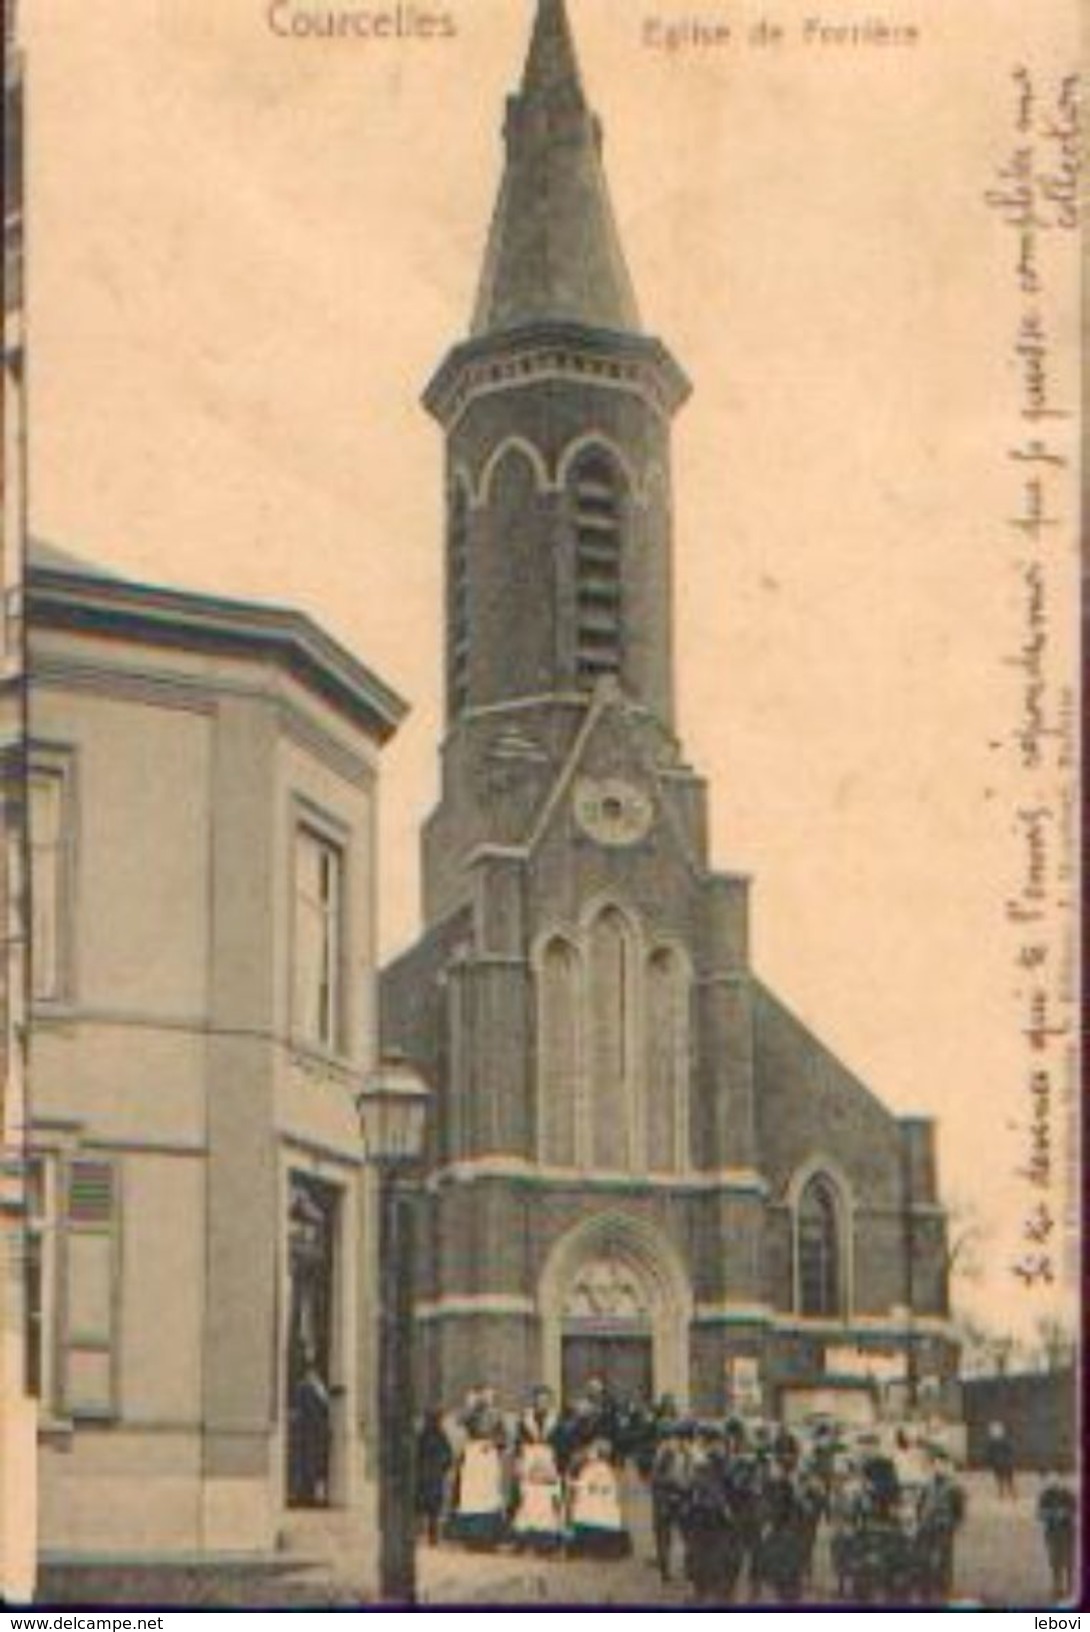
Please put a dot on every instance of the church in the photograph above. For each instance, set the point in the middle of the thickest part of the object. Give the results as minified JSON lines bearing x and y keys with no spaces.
{"x":643,"y":1165}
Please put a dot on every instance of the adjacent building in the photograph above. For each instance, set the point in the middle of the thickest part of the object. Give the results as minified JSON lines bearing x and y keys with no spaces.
{"x":17,"y":1411}
{"x":644,"y":1165}
{"x":202,"y":788}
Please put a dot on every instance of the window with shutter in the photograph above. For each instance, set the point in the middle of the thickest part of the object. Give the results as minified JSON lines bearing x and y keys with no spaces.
{"x":90,"y":1303}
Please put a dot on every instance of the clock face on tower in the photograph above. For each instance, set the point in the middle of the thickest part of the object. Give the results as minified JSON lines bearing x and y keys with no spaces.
{"x":612,"y":811}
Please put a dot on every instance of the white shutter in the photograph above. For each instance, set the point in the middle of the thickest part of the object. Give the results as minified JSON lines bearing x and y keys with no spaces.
{"x":90,"y":1315}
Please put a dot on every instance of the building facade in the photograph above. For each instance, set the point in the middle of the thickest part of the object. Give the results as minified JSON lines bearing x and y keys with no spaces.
{"x":643,"y":1164}
{"x":17,"y":1410}
{"x":202,"y":787}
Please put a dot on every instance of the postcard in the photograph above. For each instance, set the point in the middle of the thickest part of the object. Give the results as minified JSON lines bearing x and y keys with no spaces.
{"x":541,"y":710}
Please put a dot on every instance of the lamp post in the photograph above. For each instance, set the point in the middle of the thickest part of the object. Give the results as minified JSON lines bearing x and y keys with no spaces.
{"x":393,"y":1109}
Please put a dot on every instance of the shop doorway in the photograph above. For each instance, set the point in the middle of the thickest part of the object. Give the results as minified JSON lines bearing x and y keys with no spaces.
{"x":312,"y":1253}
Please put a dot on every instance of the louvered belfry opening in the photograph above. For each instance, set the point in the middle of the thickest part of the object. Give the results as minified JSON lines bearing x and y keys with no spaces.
{"x":599,"y":546}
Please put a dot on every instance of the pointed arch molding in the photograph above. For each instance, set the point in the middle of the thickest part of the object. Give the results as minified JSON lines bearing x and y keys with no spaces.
{"x":510,"y":447}
{"x":569,"y":1047}
{"x":641,"y":487}
{"x":818,"y":1165}
{"x":597,"y":442}
{"x":596,"y":906}
{"x":656,"y":1263}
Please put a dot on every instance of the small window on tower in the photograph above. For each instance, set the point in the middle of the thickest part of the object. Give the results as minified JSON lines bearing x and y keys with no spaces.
{"x":598,"y":545}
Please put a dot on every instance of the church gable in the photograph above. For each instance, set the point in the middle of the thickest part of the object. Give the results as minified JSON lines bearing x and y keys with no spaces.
{"x":613,"y":824}
{"x":808,"y":1104}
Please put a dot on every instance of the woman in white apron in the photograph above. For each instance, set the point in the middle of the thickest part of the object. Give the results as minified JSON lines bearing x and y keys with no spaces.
{"x":597,"y":1527}
{"x":539,"y":1515}
{"x":479,"y":1506}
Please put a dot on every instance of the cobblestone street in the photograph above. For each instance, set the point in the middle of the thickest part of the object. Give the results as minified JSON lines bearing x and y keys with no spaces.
{"x":1000,"y":1562}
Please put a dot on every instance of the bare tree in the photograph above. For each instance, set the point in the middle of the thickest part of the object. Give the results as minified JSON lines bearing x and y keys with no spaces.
{"x":966,"y":1238}
{"x":1056,"y":1340}
{"x":986,"y":1351}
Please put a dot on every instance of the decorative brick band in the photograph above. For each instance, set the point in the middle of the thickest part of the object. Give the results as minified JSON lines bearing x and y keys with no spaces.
{"x":742,"y":1180}
{"x":507,"y":1305}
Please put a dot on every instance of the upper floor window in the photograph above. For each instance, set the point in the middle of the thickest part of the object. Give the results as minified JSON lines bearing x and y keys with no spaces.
{"x":48,"y":880}
{"x":319,"y":928}
{"x":819,"y":1246}
{"x":598,"y":515}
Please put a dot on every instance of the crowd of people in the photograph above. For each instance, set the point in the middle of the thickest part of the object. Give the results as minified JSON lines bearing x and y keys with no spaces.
{"x":733,"y":1503}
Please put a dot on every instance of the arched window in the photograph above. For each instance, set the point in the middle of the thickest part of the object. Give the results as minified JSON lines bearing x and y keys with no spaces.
{"x":667,"y":1010}
{"x":598,"y":514}
{"x":817,"y":1226}
{"x":608,"y":1000}
{"x":558,"y":1053}
{"x":458,"y":592}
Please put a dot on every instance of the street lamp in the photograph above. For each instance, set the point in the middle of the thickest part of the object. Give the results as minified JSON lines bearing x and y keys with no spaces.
{"x":393,"y":1110}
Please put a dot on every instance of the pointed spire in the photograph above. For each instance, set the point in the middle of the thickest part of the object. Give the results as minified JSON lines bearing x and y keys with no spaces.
{"x":551,"y":63}
{"x":553,"y":251}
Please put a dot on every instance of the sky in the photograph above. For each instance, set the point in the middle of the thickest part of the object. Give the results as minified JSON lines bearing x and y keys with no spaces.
{"x":249,"y":250}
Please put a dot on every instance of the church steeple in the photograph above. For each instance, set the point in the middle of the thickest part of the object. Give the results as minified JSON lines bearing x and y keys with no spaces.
{"x":557,"y":411}
{"x":553,"y":251}
{"x":552,"y":67}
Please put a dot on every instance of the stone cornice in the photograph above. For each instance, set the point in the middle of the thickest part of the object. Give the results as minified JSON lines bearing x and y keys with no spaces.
{"x":877,"y":1209}
{"x":891,"y":1326}
{"x":900,"y":1325}
{"x":569,"y":352}
{"x":86,"y":603}
{"x":68,"y":1018}
{"x":476,"y":1303}
{"x":168,"y":689}
{"x":453,"y":1306}
{"x":733,"y":1313}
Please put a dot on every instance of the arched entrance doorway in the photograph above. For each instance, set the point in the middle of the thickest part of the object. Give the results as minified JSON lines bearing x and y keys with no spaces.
{"x":615,"y":1303}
